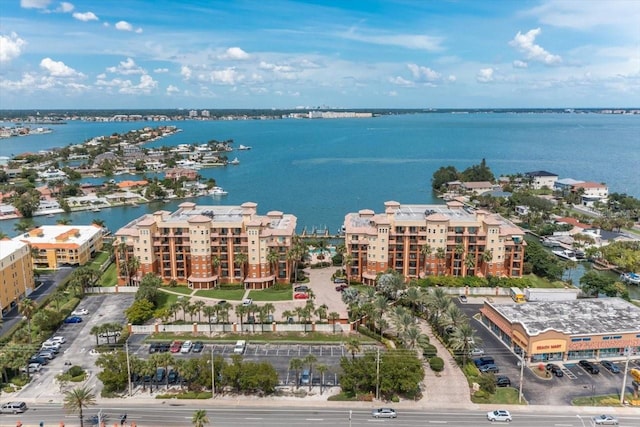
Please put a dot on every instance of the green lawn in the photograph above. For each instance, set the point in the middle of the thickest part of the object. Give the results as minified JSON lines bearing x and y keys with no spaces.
{"x":110,"y":276}
{"x":272,"y":295}
{"x":228,"y":294}
{"x":165,"y":300}
{"x":605,"y":400}
{"x":502,"y":396}
{"x":178,"y":289}
{"x":99,"y":259}
{"x":539,"y":282}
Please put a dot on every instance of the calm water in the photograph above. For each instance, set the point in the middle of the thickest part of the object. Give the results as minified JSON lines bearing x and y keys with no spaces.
{"x":321,"y":169}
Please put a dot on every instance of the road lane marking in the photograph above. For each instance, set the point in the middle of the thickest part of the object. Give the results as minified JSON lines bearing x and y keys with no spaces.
{"x":563,"y":425}
{"x":314,"y":419}
{"x":438,"y":422}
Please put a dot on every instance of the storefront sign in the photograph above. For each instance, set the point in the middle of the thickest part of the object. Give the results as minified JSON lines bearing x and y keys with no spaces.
{"x":550,"y":346}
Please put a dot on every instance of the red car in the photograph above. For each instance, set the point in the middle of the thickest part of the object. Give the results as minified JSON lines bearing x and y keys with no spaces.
{"x":301,"y":295}
{"x":175,"y":347}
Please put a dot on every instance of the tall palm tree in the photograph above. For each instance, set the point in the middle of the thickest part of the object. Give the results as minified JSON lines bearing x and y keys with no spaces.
{"x":487,"y":257}
{"x":353,"y":346}
{"x":458,"y":252}
{"x":123,"y":266}
{"x":200,"y":418}
{"x":347,"y":261}
{"x":321,"y":370}
{"x":76,"y":400}
{"x":209,"y":311}
{"x":463,"y":340}
{"x":27,"y":307}
{"x":240,"y":259}
{"x":333,"y":316}
{"x":310,"y":359}
{"x":426,"y":250}
{"x":63,"y":221}
{"x":97,"y":221}
{"x":441,"y":254}
{"x":296,"y":365}
{"x":215,"y":264}
{"x":272,"y":258}
{"x":469,"y":263}
{"x":198,"y":306}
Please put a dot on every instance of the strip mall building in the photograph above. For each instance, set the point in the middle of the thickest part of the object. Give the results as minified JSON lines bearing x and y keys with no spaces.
{"x":599,"y":328}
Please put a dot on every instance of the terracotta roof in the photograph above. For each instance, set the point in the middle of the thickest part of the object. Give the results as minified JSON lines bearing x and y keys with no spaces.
{"x":573,"y":221}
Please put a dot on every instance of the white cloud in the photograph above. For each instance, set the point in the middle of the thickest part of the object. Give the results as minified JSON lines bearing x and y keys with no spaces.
{"x":124,"y":26}
{"x":227,"y":76}
{"x":126,"y":67}
{"x":10,"y":47}
{"x":401,"y":81}
{"x":146,"y":85}
{"x":407,"y":41}
{"x":58,"y":68}
{"x":423,"y":74}
{"x":235,"y":53}
{"x":392,"y":93}
{"x":65,"y":7}
{"x":185,"y":72}
{"x":85,"y":16}
{"x":138,"y":31}
{"x":34,"y":4}
{"x":160,"y":70}
{"x":485,"y":75}
{"x":452,"y":78}
{"x":520,"y":64}
{"x":171,"y":89}
{"x":525,"y":43}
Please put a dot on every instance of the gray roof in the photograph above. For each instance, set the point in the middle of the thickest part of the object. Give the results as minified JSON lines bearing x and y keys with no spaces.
{"x":591,"y":316}
{"x":539,"y":173}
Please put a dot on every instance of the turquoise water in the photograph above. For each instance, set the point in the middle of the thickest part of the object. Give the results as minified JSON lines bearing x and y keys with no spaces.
{"x":319,"y":170}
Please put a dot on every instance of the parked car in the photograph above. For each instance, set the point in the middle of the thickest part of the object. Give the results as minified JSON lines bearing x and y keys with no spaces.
{"x":339,"y":280}
{"x":38,"y":359}
{"x":222,"y":302}
{"x":46,"y":354}
{"x":13,"y":408}
{"x":502,"y":381}
{"x":73,"y":319}
{"x":589,"y":367}
{"x":384,"y":413}
{"x":32,"y":368}
{"x":247,"y":302}
{"x":80,"y":312}
{"x":554,"y":369}
{"x":499,"y":415}
{"x":489,"y":368}
{"x":175,"y":346}
{"x":605,"y":420}
{"x":109,"y":334}
{"x":301,"y":295}
{"x":58,"y":338}
{"x":198,"y":346}
{"x":160,"y":373}
{"x":305,"y":378}
{"x":484,"y":360}
{"x":154,"y":347}
{"x":164,"y":347}
{"x":50,"y":345}
{"x":302,"y":288}
{"x":172,"y":378}
{"x":342,"y":287}
{"x":612,"y":367}
{"x":475,"y":352}
{"x":463,"y":298}
{"x":186,"y":347}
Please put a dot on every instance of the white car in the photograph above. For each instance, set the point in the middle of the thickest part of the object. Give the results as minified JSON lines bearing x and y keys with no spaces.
{"x":186,"y":347}
{"x":384,"y":413}
{"x":59,"y":339}
{"x":499,"y":415}
{"x":605,"y":420}
{"x":80,"y":312}
{"x":33,"y":367}
{"x":475,"y":352}
{"x":247,"y":302}
{"x":51,"y":345}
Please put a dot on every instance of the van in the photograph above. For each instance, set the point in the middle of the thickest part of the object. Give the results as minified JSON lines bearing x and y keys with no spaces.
{"x":13,"y":408}
{"x":240,"y":347}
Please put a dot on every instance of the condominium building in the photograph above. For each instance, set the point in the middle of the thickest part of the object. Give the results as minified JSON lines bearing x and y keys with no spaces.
{"x":16,"y":273}
{"x":58,"y":245}
{"x":419,"y":240}
{"x":204,"y":246}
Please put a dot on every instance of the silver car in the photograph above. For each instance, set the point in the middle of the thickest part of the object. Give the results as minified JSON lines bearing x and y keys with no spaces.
{"x":601,"y":420}
{"x":499,"y":415}
{"x":384,"y":413}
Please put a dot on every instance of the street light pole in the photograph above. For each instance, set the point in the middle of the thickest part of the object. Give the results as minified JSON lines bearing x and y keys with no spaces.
{"x":522,"y":355}
{"x":126,"y":347}
{"x":213,"y":376}
{"x":377,"y":377}
{"x":581,"y":420}
{"x":624,"y":378}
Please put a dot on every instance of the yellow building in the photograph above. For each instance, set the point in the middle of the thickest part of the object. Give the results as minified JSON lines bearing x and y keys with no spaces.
{"x":16,"y":273}
{"x":59,"y":245}
{"x":420,"y":240}
{"x":207,"y":245}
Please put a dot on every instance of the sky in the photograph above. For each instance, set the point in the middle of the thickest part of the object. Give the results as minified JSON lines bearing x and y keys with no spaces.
{"x":286,"y":54}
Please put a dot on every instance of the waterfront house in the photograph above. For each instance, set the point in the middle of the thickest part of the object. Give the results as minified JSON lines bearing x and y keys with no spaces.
{"x":477,"y":187}
{"x":541,"y":179}
{"x":199,"y":245}
{"x":591,"y":192}
{"x":564,"y":185}
{"x":394,"y":239}
{"x":177,"y":173}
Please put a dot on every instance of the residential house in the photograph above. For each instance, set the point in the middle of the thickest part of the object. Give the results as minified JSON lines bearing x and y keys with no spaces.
{"x":541,"y":179}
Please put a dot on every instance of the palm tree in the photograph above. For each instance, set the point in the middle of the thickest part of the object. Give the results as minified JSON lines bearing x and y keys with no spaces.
{"x":441,"y":254}
{"x":123,"y":266}
{"x":295,"y":365}
{"x":97,"y":221}
{"x":200,"y":418}
{"x":411,"y":337}
{"x":215,"y":264}
{"x":184,"y":306}
{"x":458,"y":252}
{"x":333,"y":316}
{"x":198,"y":306}
{"x":464,"y":340}
{"x":77,"y":400}
{"x":347,"y":261}
{"x":310,"y":359}
{"x":240,"y":259}
{"x":63,"y":221}
{"x":353,"y":347}
{"x":426,"y":251}
{"x":27,"y":307}
{"x":469,"y":263}
{"x":209,"y":311}
{"x":272,"y":258}
{"x":321,"y":370}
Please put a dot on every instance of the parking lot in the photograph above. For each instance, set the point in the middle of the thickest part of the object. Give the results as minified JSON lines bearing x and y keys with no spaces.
{"x":576,"y":382}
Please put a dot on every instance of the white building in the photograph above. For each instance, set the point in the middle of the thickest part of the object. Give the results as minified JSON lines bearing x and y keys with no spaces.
{"x":541,"y":179}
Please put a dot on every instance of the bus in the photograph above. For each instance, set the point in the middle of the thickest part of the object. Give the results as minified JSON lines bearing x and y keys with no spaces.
{"x":517,"y":295}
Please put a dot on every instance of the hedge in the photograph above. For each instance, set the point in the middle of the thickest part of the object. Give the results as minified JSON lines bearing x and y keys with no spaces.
{"x":436,"y":364}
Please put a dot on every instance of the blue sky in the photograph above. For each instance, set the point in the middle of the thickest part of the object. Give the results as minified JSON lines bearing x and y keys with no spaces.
{"x":339,"y":54}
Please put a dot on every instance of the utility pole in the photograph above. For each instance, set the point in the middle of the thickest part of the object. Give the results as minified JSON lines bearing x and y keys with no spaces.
{"x":378,"y":375}
{"x":213,"y":376}
{"x":126,"y":347}
{"x":522,"y":357}
{"x":624,"y":378}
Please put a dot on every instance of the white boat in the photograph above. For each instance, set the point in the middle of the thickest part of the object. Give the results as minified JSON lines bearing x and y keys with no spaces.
{"x":630,"y":278}
{"x":244,"y":147}
{"x":218,"y":191}
{"x":235,"y":161}
{"x":567,"y":254}
{"x":95,"y":209}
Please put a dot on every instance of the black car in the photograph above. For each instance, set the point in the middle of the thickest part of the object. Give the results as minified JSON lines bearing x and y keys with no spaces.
{"x":302,"y":288}
{"x":484,"y":360}
{"x":502,"y":381}
{"x":40,"y":360}
{"x":172,"y":378}
{"x":589,"y":367}
{"x":154,"y":347}
{"x":198,"y":346}
{"x":554,"y":369}
{"x":164,"y":347}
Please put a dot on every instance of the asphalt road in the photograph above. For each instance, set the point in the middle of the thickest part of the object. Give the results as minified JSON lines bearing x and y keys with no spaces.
{"x":49,"y":284}
{"x":180,"y":415}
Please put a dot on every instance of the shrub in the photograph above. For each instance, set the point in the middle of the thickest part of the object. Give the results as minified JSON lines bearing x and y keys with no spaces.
{"x":75,"y":371}
{"x":487,"y":382}
{"x":429,"y":350}
{"x":436,"y":363}
{"x":395,"y":399}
